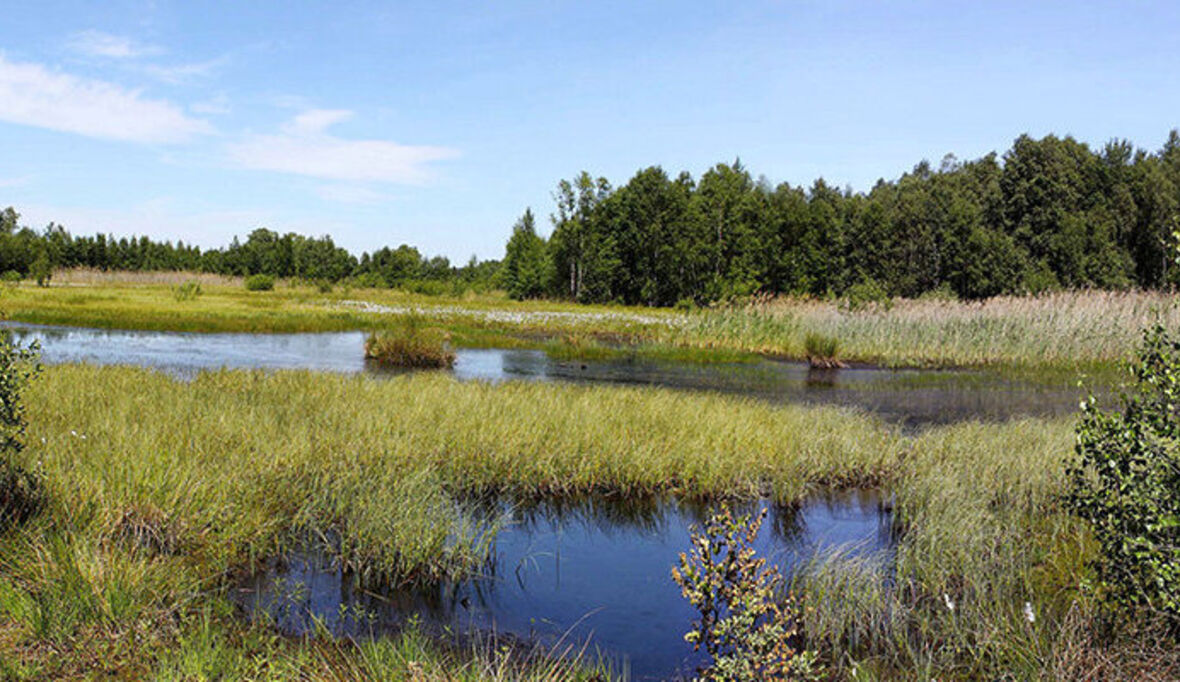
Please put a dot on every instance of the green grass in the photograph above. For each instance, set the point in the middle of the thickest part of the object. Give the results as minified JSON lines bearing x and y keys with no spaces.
{"x":160,"y":492}
{"x":410,"y":344}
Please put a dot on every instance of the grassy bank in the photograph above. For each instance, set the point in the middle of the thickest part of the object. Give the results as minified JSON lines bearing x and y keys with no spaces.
{"x":1067,"y":331}
{"x":149,"y":520}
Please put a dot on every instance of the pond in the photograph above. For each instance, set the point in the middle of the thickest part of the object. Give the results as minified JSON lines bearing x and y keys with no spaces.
{"x":911,"y":397}
{"x":583,"y":576}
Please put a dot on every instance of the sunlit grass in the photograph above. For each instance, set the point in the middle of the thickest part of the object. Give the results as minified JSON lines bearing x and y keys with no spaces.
{"x":161,"y":491}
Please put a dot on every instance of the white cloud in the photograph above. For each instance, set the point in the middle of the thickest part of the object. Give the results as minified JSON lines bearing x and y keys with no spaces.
{"x":218,"y":104}
{"x":98,"y":44}
{"x":303,"y":147}
{"x":31,"y":94}
{"x":181,"y":73}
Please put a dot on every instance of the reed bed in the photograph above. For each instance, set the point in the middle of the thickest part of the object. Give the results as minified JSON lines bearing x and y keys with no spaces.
{"x":96,"y":277}
{"x":1067,"y":329}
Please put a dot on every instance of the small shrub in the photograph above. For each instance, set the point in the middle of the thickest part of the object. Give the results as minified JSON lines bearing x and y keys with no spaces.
{"x":410,"y":344}
{"x":41,"y":270}
{"x":1125,"y":480}
{"x":11,"y":277}
{"x":867,"y":294}
{"x":324,"y":286}
{"x":22,"y":494}
{"x":187,"y":291}
{"x":260,"y":282}
{"x":745,"y":627}
{"x":822,"y":351}
{"x":685,"y":305}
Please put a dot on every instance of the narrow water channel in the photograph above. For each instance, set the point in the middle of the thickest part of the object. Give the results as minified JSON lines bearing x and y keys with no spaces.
{"x":592,"y":575}
{"x":913,"y":398}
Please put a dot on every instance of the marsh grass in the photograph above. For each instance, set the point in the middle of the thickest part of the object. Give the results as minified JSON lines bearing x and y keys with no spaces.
{"x":411,"y":342}
{"x":822,"y":351}
{"x":1071,"y":330}
{"x":148,"y":521}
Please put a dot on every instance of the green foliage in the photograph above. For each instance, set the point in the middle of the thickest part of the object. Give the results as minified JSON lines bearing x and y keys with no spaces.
{"x":822,"y":351}
{"x":21,"y":491}
{"x":747,"y":627}
{"x":41,"y":270}
{"x":187,"y":290}
{"x":11,"y":277}
{"x":867,"y":294}
{"x":525,"y":266}
{"x":260,"y":282}
{"x":1126,"y":479}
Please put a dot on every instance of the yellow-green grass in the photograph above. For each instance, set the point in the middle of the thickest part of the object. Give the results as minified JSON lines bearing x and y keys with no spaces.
{"x":1071,"y":331}
{"x":162,"y":491}
{"x":992,"y":578}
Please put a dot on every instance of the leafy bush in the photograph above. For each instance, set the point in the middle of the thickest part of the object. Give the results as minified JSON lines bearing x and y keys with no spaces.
{"x":11,"y":277}
{"x":1125,"y":480}
{"x":41,"y":270}
{"x":867,"y":294}
{"x":187,"y":291}
{"x":410,"y":344}
{"x":822,"y":351}
{"x":22,"y":494}
{"x":260,"y":282}
{"x":745,"y":627}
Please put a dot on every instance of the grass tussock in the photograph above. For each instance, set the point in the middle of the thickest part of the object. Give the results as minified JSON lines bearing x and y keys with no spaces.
{"x":822,"y":351}
{"x":410,"y":343}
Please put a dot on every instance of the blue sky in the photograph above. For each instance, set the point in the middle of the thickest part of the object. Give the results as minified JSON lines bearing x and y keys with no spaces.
{"x":437,"y":123}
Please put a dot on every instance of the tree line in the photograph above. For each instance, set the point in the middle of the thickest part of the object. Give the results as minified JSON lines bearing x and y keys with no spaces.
{"x":1049,"y":213}
{"x":263,"y":252}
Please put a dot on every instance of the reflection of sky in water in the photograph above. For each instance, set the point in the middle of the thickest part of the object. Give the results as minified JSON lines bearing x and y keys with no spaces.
{"x":567,"y":576}
{"x":913,"y":397}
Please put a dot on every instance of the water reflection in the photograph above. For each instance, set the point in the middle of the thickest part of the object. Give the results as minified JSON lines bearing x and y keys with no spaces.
{"x":593,"y":572}
{"x":911,"y":397}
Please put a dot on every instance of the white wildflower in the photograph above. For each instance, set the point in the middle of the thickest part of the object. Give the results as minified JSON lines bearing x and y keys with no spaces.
{"x":1029,"y":614}
{"x":950,"y":604}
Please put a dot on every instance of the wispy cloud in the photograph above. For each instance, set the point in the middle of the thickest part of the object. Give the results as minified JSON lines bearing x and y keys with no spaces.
{"x":99,"y":44}
{"x":218,"y":104}
{"x":33,"y":95}
{"x":175,"y":74}
{"x":304,"y":147}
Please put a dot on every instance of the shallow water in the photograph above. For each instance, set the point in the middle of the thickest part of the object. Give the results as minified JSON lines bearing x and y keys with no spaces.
{"x":585,"y":575}
{"x":911,"y":397}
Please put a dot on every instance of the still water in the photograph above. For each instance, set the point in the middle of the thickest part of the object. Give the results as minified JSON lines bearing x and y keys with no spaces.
{"x":911,"y":397}
{"x":586,"y":576}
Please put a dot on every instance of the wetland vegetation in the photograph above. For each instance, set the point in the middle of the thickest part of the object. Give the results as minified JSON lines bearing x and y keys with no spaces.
{"x":143,"y":535}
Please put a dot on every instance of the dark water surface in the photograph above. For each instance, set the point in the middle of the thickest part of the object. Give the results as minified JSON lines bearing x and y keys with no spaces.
{"x":584,"y":575}
{"x":912,"y":397}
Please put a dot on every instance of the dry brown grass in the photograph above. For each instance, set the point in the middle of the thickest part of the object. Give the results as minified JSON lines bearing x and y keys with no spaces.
{"x":1071,"y":329}
{"x":96,"y":277}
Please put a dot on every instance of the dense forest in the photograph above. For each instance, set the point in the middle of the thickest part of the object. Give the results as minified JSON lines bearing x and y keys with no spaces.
{"x":1048,"y":213}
